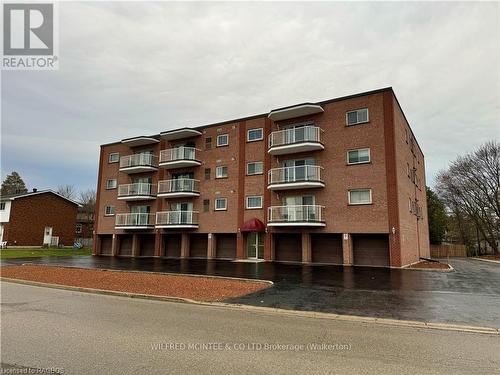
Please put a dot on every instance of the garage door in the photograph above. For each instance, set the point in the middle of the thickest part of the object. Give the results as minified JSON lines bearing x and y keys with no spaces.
{"x":198,"y":245}
{"x":225,"y":246}
{"x":371,"y":249}
{"x":288,"y":247}
{"x":125,"y":245}
{"x":147,"y":245}
{"x":172,"y":243}
{"x":106,"y":244}
{"x":327,"y":248}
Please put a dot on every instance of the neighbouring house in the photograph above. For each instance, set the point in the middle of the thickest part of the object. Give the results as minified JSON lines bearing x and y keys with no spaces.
{"x":37,"y":218}
{"x":84,"y":230}
{"x":340,"y":181}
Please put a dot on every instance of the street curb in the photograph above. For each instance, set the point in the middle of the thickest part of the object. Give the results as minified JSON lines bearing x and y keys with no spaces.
{"x":450,"y":269}
{"x":487,"y":260}
{"x":269,"y":310}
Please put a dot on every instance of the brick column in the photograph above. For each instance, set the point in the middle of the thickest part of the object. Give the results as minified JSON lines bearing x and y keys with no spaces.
{"x":115,"y":245}
{"x":348,"y":257}
{"x":159,"y":249}
{"x":306,"y":248}
{"x":96,"y":246}
{"x":268,"y":246}
{"x":240,"y":246}
{"x":136,"y":245}
{"x":185,"y":245}
{"x":211,"y":246}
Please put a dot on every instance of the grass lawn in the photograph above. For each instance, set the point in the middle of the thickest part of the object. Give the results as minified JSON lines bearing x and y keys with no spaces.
{"x":34,"y":253}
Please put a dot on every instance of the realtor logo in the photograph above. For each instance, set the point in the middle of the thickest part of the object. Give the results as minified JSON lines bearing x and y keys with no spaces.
{"x":29,"y":36}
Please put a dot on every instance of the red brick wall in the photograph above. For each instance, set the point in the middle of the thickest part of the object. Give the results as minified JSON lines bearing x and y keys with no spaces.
{"x":30,"y":215}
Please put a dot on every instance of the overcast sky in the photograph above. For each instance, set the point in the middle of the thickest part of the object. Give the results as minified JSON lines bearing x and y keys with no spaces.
{"x":129,"y":69}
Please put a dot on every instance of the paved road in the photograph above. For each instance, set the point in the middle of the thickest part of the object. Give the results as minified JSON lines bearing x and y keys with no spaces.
{"x":470,"y":295}
{"x":97,"y":334}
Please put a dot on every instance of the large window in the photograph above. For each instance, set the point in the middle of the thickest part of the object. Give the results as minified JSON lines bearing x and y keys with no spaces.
{"x":254,"y":202}
{"x":359,"y":116}
{"x":114,"y":157}
{"x":220,"y":204}
{"x":111,"y":184}
{"x":222,"y":140}
{"x":109,"y":210}
{"x":358,"y":156}
{"x":255,"y":135}
{"x":360,"y":196}
{"x":221,"y":172}
{"x":255,"y":167}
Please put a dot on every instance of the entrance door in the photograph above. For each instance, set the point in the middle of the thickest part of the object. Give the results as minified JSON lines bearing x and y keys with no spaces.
{"x":295,"y":170}
{"x":183,"y":212}
{"x":47,"y":235}
{"x":141,"y":218}
{"x":255,"y":245}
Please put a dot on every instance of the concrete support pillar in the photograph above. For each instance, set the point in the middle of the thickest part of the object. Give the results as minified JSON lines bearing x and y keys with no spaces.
{"x":240,"y":246}
{"x":211,"y":246}
{"x":115,"y":245}
{"x":159,"y":248}
{"x":96,"y":248}
{"x":185,"y":245}
{"x":347,"y":249}
{"x":136,"y":245}
{"x":268,"y":246}
{"x":306,"y":248}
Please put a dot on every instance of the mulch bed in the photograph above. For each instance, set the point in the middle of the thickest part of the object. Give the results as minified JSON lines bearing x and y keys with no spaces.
{"x":430,"y":265}
{"x":491,"y":257}
{"x":197,"y":288}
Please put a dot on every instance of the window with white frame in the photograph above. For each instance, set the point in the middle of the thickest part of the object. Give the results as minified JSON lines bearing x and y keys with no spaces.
{"x":255,"y":135}
{"x":358,"y":116}
{"x":359,"y":156}
{"x":2,"y":206}
{"x":114,"y":157}
{"x":222,"y":140}
{"x":255,"y":167}
{"x":254,"y":202}
{"x":221,"y":172}
{"x":220,"y":204}
{"x":78,"y":228}
{"x":111,"y":184}
{"x":109,"y":210}
{"x":360,"y":196}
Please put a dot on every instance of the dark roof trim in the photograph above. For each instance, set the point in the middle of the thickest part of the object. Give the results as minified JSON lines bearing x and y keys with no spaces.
{"x":29,"y":194}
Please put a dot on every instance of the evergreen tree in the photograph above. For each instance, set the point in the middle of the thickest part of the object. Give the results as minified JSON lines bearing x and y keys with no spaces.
{"x":13,"y":184}
{"x":438,"y":219}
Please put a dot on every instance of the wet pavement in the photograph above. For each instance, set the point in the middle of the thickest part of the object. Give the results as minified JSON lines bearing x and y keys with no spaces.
{"x":470,"y":295}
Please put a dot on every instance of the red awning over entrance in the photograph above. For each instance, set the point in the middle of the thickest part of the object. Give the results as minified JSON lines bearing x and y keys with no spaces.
{"x":253,"y":225}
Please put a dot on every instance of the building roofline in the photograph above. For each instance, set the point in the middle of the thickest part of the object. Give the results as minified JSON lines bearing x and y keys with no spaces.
{"x":29,"y":194}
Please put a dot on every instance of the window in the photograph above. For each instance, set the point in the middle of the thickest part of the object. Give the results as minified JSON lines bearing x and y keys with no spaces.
{"x":206,"y":205}
{"x":221,"y":172}
{"x":255,"y":167}
{"x":2,"y":206}
{"x":208,"y":143}
{"x":358,"y":156}
{"x":207,"y":173}
{"x":111,"y":184}
{"x":360,"y":196}
{"x":114,"y":157}
{"x":358,"y":116}
{"x":255,"y":135}
{"x":220,"y":204}
{"x":222,"y":140}
{"x":254,"y":202}
{"x":109,"y":210}
{"x":78,"y":228}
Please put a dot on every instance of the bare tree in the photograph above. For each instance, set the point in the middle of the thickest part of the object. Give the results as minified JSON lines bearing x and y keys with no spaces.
{"x":87,"y":199}
{"x":470,"y":188}
{"x":67,"y":191}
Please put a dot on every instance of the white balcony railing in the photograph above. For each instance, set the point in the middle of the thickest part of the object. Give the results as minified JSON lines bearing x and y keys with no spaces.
{"x":177,"y":153}
{"x":138,"y":160}
{"x":134,"y":220}
{"x":177,"y":218}
{"x":136,"y":189}
{"x":302,"y":173}
{"x":290,"y":136}
{"x":296,"y":214}
{"x":180,"y":185}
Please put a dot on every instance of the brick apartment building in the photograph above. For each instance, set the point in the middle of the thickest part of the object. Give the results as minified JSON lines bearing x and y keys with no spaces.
{"x":340,"y":181}
{"x":37,"y":218}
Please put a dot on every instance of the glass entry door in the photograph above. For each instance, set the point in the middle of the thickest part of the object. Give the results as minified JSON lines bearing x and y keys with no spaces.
{"x":255,"y":245}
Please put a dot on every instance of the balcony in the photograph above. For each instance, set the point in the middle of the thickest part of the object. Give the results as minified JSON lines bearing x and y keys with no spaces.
{"x":177,"y":219}
{"x":299,"y":177}
{"x":179,"y":157}
{"x":138,"y":163}
{"x":290,"y":141}
{"x":181,"y":187}
{"x":295,"y":216}
{"x":294,"y":111}
{"x":134,"y":221}
{"x":136,"y":192}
